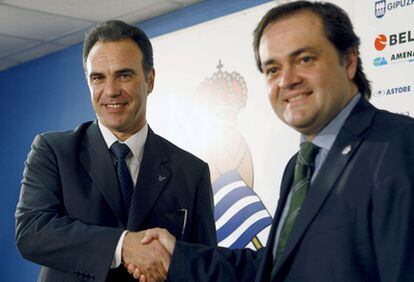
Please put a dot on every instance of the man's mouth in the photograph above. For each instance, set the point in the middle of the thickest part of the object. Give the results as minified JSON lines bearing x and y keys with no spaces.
{"x":115,"y":106}
{"x":296,"y":98}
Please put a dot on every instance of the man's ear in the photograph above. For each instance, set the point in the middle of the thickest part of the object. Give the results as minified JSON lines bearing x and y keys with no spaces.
{"x":351,"y":62}
{"x":150,"y":80}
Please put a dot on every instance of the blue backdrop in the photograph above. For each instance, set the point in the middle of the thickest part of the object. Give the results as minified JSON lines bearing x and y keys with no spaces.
{"x":50,"y":94}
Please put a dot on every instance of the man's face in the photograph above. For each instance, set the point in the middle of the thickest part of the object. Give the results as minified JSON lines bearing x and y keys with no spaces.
{"x":307,"y":81}
{"x":118,"y":86}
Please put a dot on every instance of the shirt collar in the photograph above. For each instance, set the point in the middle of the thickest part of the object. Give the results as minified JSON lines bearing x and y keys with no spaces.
{"x":135,"y":143}
{"x":326,"y":137}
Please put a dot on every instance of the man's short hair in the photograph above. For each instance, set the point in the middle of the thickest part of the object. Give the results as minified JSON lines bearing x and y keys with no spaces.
{"x":338,"y":30}
{"x":114,"y":30}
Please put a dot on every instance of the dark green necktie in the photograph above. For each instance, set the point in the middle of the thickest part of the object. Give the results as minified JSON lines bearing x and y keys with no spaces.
{"x":301,"y":181}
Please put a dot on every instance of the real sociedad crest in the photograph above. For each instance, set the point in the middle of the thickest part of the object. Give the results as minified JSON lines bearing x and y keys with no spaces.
{"x":240,"y":216}
{"x":380,"y":8}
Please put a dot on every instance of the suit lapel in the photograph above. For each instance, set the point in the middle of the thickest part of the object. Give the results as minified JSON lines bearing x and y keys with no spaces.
{"x":346,"y":144}
{"x":267,"y":263}
{"x":152,"y":178}
{"x":96,"y":160}
{"x":285,"y":187}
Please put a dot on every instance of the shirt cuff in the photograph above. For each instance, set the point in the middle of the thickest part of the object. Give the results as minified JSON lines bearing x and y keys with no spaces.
{"x":118,"y":251}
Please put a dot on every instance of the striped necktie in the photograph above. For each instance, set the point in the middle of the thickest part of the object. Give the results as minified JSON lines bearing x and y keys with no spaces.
{"x":301,"y":181}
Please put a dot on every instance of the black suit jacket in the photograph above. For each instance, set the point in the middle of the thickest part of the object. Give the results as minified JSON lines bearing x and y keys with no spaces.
{"x":357,"y":221}
{"x":70,"y":214}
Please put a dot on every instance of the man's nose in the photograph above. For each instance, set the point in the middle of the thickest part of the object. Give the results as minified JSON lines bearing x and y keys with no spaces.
{"x":289,"y":78}
{"x":112,"y":88}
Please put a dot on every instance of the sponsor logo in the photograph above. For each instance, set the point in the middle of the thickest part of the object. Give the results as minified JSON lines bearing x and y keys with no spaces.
{"x":400,"y":57}
{"x":382,"y":40}
{"x":403,"y":56}
{"x":380,"y":61}
{"x":382,"y":6}
{"x":393,"y":91}
{"x":379,"y":93}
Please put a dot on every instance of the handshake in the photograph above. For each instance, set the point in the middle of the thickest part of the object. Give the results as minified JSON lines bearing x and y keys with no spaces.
{"x":147,"y":254}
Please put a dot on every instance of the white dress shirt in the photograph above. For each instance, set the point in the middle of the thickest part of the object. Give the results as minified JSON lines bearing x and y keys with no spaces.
{"x":133,"y":160}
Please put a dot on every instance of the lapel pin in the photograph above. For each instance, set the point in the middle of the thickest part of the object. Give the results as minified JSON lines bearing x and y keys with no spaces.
{"x":161,"y":178}
{"x":346,"y":150}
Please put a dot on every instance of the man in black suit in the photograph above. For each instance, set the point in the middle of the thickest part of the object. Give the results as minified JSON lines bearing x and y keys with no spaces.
{"x":82,"y":202}
{"x":345,"y":213}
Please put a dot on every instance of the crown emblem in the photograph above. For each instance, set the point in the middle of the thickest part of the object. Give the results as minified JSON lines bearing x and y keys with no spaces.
{"x":225,"y":93}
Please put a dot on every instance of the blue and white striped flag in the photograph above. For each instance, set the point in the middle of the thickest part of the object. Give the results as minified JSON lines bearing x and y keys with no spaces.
{"x":239,"y":213}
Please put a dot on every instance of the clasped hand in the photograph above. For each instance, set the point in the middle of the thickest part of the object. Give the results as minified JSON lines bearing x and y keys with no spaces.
{"x":147,"y":254}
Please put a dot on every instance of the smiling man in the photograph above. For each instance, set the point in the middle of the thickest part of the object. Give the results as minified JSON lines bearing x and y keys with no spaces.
{"x":345,"y":211}
{"x":308,"y":81}
{"x":87,"y":192}
{"x":119,"y":86}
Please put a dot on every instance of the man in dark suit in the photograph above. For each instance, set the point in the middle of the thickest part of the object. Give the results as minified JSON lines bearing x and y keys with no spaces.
{"x":345,"y":211}
{"x":87,"y":192}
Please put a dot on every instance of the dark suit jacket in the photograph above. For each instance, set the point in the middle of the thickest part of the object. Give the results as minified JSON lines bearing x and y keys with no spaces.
{"x":70,"y":214}
{"x":357,"y":221}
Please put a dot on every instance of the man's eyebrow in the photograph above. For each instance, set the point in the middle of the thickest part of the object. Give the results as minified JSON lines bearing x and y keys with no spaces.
{"x":118,"y":72}
{"x":302,"y":50}
{"x":268,"y":62}
{"x":292,"y":55}
{"x":125,"y":71}
{"x":95,"y":74}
